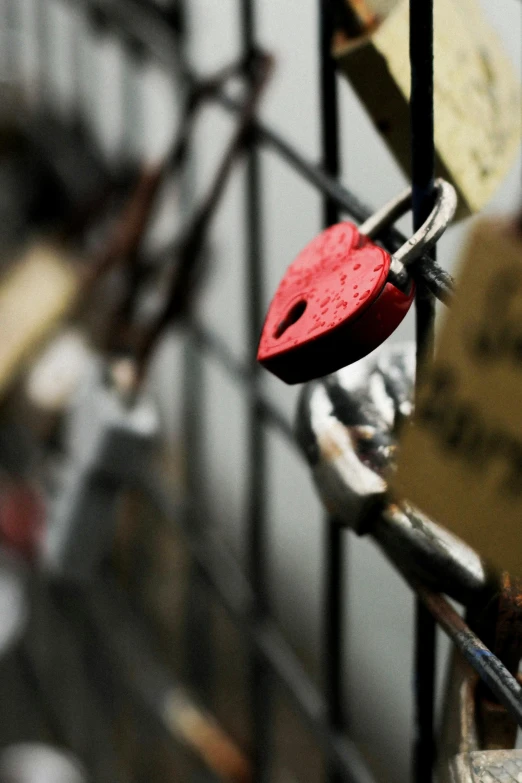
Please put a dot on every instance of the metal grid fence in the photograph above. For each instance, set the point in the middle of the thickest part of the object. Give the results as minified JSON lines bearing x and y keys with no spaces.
{"x":160,"y":33}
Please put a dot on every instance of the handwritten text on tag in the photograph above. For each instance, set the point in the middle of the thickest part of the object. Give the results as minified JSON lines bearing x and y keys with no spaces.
{"x":461,"y":460}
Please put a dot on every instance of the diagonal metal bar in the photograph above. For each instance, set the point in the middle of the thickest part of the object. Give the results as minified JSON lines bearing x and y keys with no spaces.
{"x":134,"y":18}
{"x":237,"y":596}
{"x":439,"y":282}
{"x":490,"y":669}
{"x":423,"y":197}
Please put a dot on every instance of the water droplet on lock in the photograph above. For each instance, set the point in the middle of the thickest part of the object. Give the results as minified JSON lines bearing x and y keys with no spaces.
{"x":325,"y":301}
{"x":355,"y":287}
{"x":378,"y":268}
{"x":355,"y":296}
{"x":357,"y":266}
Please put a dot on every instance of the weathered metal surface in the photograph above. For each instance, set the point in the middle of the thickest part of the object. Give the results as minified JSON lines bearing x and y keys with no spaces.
{"x":347,"y":426}
{"x":494,"y":766}
{"x":430,"y":231}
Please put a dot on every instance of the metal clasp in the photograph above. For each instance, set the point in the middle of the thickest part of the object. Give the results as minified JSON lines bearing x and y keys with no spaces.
{"x":424,"y":238}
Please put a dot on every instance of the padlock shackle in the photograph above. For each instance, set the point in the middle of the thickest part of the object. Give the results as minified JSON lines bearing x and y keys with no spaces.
{"x":432,"y":228}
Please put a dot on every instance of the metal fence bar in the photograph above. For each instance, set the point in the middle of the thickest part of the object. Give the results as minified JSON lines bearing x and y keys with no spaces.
{"x":234,"y":591}
{"x":437,"y":279}
{"x":241,"y":373}
{"x":335,"y":629}
{"x":261,"y":696}
{"x":146,"y":25}
{"x":334,"y":556}
{"x":198,"y":638}
{"x":423,"y":162}
{"x":162,"y":44}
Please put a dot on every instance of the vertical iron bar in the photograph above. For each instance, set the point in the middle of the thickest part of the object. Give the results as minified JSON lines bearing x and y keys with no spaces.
{"x":198,"y":610}
{"x":424,"y":749}
{"x":255,"y":317}
{"x":334,"y":550}
{"x":423,"y":160}
{"x":422,"y":149}
{"x":329,"y":109}
{"x":334,"y":627}
{"x":261,"y":697}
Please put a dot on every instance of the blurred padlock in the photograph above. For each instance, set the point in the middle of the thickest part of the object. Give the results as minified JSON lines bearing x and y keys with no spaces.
{"x":38,"y":290}
{"x":46,"y":390}
{"x":108,"y":442}
{"x":477,"y":95}
{"x":39,"y":763}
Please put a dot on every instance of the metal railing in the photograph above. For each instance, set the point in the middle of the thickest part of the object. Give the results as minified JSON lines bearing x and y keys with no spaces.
{"x":160,"y":34}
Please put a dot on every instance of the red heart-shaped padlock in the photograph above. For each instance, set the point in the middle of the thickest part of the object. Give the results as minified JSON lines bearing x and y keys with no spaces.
{"x":334,"y":305}
{"x":344,"y":295}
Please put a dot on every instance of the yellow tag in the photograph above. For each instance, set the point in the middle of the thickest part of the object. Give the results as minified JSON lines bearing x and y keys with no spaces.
{"x":461,"y":460}
{"x":35,"y":294}
{"x":477,"y":95}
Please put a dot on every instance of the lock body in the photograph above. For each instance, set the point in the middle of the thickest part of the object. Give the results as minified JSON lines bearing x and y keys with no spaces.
{"x":108,"y":443}
{"x":334,"y":306}
{"x":475,"y":106}
{"x":347,"y":426}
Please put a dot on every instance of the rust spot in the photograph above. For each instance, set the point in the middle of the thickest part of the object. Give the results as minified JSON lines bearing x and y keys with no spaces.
{"x":330,"y":442}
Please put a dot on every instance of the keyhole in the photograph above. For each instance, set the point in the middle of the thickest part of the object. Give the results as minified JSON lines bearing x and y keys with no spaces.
{"x":292,"y":316}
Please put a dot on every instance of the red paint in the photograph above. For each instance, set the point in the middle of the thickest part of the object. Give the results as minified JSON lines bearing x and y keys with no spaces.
{"x":333,"y":306}
{"x":22,"y":517}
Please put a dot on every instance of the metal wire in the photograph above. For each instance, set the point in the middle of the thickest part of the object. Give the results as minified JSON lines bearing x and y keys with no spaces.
{"x":422,"y":167}
{"x":161,"y":42}
{"x":334,"y":555}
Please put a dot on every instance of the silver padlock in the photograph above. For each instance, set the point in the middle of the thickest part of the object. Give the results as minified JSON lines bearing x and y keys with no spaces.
{"x":36,"y":762}
{"x":347,"y":425}
{"x":109,"y":438}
